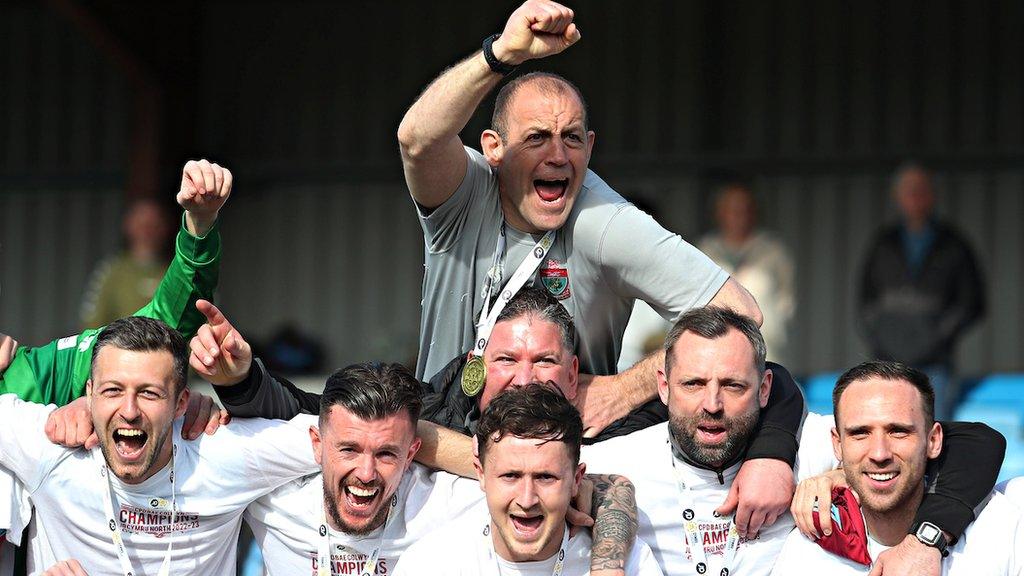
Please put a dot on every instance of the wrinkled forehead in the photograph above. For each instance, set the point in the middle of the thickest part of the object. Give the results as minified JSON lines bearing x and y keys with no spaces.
{"x":508,"y":451}
{"x":546,"y":99}
{"x":528,"y":328}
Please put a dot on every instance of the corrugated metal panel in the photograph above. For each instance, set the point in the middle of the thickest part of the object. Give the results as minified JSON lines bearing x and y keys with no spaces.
{"x":815,"y":101}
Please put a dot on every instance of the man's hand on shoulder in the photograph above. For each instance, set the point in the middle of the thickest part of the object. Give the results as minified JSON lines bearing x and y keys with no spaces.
{"x":71,"y":425}
{"x":205,"y":187}
{"x":219,"y":353}
{"x":202,"y":415}
{"x":537,"y":29}
{"x":908,"y":558}
{"x":600,"y":402}
{"x":760,"y":493}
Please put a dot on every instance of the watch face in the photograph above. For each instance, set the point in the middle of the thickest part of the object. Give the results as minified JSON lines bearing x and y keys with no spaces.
{"x":928,"y":533}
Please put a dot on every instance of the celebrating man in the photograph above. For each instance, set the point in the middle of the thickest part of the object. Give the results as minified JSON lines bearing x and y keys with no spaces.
{"x":528,"y":444}
{"x":885,"y":434}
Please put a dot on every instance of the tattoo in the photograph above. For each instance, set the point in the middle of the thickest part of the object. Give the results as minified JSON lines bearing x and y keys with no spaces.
{"x":615,"y":521}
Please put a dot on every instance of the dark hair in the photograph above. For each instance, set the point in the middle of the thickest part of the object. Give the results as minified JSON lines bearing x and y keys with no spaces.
{"x":714,"y":322}
{"x":532,"y":411}
{"x":141,"y":334}
{"x":548,"y":83}
{"x":887,"y":370}
{"x":539,"y":302}
{"x":373,"y":390}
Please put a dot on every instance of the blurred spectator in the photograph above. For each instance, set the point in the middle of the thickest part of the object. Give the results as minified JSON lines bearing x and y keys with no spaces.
{"x":123,"y":283}
{"x":920,"y":287}
{"x":758,"y":260}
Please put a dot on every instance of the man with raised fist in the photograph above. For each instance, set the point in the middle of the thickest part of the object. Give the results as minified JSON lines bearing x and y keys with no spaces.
{"x":529,"y":203}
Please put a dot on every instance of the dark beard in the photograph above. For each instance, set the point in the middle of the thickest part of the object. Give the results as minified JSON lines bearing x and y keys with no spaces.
{"x":331,"y":503}
{"x":739,"y":429}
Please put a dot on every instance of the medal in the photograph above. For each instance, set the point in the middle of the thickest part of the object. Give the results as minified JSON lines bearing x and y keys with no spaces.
{"x":473,"y":375}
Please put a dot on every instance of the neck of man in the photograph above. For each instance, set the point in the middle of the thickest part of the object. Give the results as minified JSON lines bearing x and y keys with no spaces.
{"x":889,"y":528}
{"x":549,"y":549}
{"x":512,"y":217}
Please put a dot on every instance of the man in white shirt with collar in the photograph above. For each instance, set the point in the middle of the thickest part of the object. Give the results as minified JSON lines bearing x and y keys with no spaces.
{"x":885,"y":433}
{"x":144,"y":502}
{"x":715,"y":384}
{"x":528,"y":445}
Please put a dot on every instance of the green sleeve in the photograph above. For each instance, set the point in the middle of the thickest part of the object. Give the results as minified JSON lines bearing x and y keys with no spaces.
{"x":56,"y":373}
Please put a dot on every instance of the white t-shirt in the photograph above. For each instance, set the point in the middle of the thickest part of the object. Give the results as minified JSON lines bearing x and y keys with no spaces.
{"x":645,"y":457}
{"x":992,"y":545}
{"x":285,"y":522}
{"x":216,"y":478}
{"x":461,"y":548}
{"x":1013,"y":489}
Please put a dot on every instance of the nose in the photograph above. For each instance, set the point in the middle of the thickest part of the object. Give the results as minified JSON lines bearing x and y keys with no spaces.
{"x":524,"y":374}
{"x":129,"y":407}
{"x":879,"y":450}
{"x":366,"y":469}
{"x":527,"y":497}
{"x":712,"y":401}
{"x":558,"y":156}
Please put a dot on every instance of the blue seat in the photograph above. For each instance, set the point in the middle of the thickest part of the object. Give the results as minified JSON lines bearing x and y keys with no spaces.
{"x":818,"y":391}
{"x":998,"y":388}
{"x":1008,"y":420}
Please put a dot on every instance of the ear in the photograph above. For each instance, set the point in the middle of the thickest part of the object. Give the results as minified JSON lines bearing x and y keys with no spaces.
{"x":478,"y":465}
{"x":88,"y":393}
{"x":590,"y":144}
{"x":413,"y":449}
{"x":765,"y":389}
{"x":935,"y":437}
{"x":182,"y":404}
{"x":663,"y":386}
{"x":581,"y":469}
{"x":574,"y":379}
{"x":314,"y":438}
{"x":493,"y":147}
{"x":837,"y":446}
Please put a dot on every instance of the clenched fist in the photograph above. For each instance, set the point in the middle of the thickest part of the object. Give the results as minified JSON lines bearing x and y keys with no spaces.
{"x":537,"y":29}
{"x":205,"y":188}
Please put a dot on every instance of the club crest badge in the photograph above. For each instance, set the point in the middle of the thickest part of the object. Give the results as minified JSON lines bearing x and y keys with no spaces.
{"x":555,"y":277}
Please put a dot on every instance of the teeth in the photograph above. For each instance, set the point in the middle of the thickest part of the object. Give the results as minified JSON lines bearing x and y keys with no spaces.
{"x":129,"y":432}
{"x":362,"y":492}
{"x":882,"y":477}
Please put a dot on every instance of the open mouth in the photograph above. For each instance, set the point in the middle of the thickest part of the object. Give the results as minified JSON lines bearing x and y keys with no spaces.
{"x":882,"y":479}
{"x":526,"y":526}
{"x":711,"y":433}
{"x":361,"y":498}
{"x":129,"y":442}
{"x":550,"y":190}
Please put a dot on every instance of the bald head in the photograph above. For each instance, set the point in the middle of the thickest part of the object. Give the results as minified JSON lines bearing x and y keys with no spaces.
{"x":546,"y":83}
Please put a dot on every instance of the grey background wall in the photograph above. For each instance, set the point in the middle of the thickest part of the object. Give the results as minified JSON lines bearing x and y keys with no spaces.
{"x":816,"y":102}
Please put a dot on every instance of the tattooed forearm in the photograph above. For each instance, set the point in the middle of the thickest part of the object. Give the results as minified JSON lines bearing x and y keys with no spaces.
{"x":615,"y":521}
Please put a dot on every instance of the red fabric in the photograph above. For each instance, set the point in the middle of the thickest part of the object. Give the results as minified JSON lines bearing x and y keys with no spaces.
{"x":849,"y":538}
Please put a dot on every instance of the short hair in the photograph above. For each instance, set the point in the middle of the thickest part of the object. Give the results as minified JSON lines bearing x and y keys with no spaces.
{"x":539,"y":302}
{"x":714,"y":322}
{"x":372,"y":391}
{"x":142,"y":334}
{"x":887,"y":370}
{"x":548,"y":83}
{"x":532,"y":411}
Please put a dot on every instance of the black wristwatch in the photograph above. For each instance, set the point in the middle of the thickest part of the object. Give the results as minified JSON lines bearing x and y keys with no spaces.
{"x":497,"y":66}
{"x":931,"y":535}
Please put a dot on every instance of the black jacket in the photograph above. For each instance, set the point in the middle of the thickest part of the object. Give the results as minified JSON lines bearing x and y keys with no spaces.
{"x":917,"y":318}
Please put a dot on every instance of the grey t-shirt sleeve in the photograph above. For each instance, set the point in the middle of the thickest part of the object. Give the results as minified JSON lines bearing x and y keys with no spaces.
{"x":640,"y":259}
{"x":443,"y":225}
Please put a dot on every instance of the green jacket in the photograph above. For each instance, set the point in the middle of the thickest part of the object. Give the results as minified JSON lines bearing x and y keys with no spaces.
{"x":56,"y":372}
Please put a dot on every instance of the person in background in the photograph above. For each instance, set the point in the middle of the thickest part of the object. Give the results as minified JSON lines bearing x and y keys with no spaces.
{"x":920,"y":287}
{"x":758,"y":260}
{"x":124,"y":282}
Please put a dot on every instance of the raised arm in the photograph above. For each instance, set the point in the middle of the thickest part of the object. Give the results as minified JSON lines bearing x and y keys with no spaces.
{"x":432,"y":154}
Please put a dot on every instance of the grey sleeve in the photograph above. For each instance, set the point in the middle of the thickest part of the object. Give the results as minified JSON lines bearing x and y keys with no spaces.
{"x":640,"y":259}
{"x":261,"y":395}
{"x":443,"y":225}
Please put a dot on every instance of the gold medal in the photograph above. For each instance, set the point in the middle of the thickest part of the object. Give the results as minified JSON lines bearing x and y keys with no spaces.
{"x":473,"y":375}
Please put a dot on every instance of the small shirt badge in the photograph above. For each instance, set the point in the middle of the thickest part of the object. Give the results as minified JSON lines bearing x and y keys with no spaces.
{"x":555,"y":277}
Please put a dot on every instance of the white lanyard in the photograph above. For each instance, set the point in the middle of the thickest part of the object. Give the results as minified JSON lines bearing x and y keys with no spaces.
{"x":117,"y":536}
{"x":488,"y":315}
{"x":695,"y":536}
{"x":559,"y":561}
{"x":323,"y":555}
